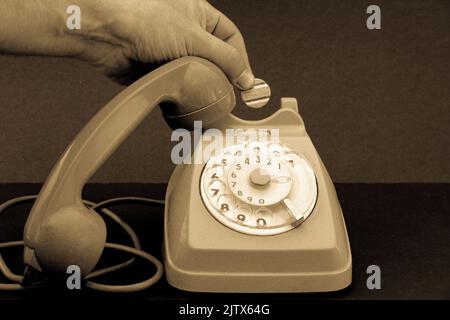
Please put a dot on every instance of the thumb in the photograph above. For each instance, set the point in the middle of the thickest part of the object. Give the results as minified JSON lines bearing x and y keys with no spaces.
{"x":225,"y":56}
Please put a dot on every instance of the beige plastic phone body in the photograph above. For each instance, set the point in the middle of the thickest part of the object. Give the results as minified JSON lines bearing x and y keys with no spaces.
{"x":203,"y":255}
{"x":60,"y":230}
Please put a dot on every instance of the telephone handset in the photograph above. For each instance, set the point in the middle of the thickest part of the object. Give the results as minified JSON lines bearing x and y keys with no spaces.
{"x":259,"y":216}
{"x":60,"y":230}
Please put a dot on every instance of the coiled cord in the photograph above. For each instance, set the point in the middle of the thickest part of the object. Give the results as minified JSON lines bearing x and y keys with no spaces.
{"x":100,"y":207}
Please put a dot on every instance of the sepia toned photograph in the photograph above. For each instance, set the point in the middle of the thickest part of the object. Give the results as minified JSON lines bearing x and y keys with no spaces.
{"x":224,"y":158}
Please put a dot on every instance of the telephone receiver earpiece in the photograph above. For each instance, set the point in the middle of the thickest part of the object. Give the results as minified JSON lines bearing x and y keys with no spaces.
{"x":61,"y":231}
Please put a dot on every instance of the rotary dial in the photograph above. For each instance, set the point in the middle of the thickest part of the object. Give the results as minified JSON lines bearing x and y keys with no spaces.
{"x":259,"y":188}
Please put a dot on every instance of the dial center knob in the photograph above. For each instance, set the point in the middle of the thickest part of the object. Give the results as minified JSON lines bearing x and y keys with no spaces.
{"x":260,"y":177}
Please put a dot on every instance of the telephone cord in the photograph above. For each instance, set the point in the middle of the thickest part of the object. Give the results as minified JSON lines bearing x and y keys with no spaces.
{"x":100,"y":207}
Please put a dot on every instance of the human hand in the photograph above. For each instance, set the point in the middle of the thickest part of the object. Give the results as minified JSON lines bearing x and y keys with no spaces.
{"x":130,"y":34}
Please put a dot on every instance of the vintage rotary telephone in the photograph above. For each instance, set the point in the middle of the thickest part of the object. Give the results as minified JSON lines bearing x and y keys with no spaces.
{"x":259,"y":216}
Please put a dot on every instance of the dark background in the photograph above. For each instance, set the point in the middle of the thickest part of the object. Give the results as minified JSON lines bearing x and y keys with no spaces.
{"x":376,"y":103}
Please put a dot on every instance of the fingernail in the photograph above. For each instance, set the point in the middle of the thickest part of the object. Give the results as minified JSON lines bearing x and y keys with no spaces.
{"x":246,"y":80}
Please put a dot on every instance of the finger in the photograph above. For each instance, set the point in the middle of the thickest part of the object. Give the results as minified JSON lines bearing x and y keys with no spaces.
{"x":227,"y":57}
{"x":223,"y":28}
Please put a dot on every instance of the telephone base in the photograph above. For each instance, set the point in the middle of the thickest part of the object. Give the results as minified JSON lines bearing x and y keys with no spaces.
{"x":260,"y":282}
{"x":203,"y":255}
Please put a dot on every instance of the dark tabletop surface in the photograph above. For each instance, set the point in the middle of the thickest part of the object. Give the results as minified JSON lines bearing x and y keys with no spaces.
{"x":403,"y":228}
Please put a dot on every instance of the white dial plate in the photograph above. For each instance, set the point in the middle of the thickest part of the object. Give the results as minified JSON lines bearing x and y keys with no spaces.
{"x":275,"y":179}
{"x":259,"y":188}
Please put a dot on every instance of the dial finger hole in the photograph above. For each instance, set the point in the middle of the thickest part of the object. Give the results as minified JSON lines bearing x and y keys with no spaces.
{"x":226,"y":203}
{"x":257,"y":147}
{"x":264,"y":218}
{"x":242,"y":213}
{"x":238,"y":150}
{"x":216,"y":172}
{"x":275,"y":149}
{"x":261,"y":222}
{"x":291,"y":158}
{"x":223,"y":160}
{"x":216,"y":188}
